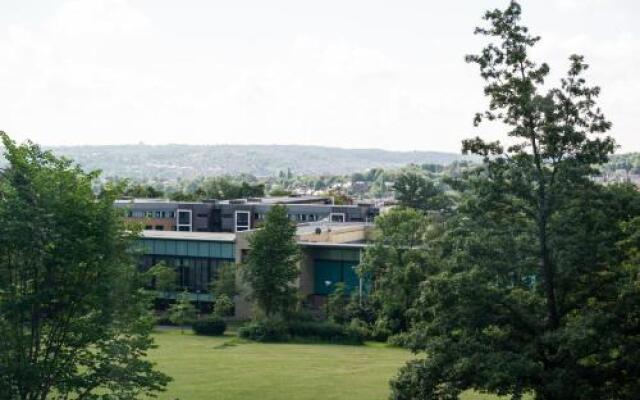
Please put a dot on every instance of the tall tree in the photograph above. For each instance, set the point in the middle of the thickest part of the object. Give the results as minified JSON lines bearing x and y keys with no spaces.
{"x":73,"y":322}
{"x":271,"y":267}
{"x":525,"y":299}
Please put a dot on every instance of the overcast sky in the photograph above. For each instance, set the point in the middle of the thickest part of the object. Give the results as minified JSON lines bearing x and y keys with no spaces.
{"x":347,"y":73}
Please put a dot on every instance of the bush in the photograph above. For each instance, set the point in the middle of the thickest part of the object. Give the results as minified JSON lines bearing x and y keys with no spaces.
{"x":325,"y":332}
{"x":211,"y":326}
{"x":306,"y":331}
{"x":162,"y":318}
{"x":265,"y":331}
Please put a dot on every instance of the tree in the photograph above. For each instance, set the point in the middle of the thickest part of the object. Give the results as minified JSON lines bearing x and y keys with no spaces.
{"x":395,"y":263}
{"x":337,"y":303}
{"x":223,"y":306}
{"x":73,"y":322}
{"x":526,"y":294}
{"x":225,"y":281}
{"x":164,"y":277}
{"x":416,"y":191}
{"x":271,"y":267}
{"x":183,"y":311}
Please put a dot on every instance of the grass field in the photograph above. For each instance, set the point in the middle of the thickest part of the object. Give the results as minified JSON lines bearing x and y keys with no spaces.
{"x":210,"y":368}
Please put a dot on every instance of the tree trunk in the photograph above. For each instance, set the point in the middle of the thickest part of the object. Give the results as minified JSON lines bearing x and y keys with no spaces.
{"x":549,"y":275}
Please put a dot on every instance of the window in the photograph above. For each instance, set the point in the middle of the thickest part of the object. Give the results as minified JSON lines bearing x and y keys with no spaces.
{"x":158,"y":214}
{"x":172,"y":214}
{"x":243,"y":222}
{"x":129,"y":214}
{"x":148,"y":227}
{"x":337,"y":217}
{"x":184,"y":221}
{"x":159,"y":227}
{"x":148,"y":214}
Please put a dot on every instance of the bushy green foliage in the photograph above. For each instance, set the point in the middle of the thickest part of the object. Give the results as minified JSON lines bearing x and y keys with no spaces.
{"x":305,"y":331}
{"x":265,"y":331}
{"x":163,"y":277}
{"x":73,"y":320}
{"x":337,"y":303}
{"x":225,"y":282}
{"x":182,"y":312}
{"x":395,"y":263}
{"x":210,"y":326}
{"x":271,"y":266}
{"x":414,"y":190}
{"x":529,"y":293}
{"x":223,"y":306}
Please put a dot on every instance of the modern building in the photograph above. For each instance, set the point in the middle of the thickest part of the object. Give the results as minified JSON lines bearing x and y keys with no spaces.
{"x":330,"y":254}
{"x":238,"y":215}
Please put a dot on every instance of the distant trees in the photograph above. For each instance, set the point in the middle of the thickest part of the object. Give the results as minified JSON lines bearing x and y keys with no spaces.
{"x":415,"y":191}
{"x":529,"y":293}
{"x":271,"y":266}
{"x":73,"y":322}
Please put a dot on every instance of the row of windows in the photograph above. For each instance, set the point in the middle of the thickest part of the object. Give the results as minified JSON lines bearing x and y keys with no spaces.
{"x":150,"y":214}
{"x":192,"y":248}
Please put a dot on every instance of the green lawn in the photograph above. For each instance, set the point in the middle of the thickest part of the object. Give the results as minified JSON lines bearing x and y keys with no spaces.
{"x":204,"y":368}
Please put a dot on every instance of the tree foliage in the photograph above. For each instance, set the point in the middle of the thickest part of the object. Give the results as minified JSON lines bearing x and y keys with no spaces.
{"x":530,"y":294}
{"x":271,"y":267}
{"x":73,"y":322}
{"x":414,"y":190}
{"x":395,"y":263}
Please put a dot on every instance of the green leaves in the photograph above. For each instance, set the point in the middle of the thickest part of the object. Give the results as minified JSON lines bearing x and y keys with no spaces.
{"x":73,"y":321}
{"x":271,"y":267}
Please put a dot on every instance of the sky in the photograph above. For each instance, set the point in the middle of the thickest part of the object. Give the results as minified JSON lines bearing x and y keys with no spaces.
{"x":346,"y":73}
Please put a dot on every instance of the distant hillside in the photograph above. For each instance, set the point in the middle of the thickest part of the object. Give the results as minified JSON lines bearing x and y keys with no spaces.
{"x":182,"y":161}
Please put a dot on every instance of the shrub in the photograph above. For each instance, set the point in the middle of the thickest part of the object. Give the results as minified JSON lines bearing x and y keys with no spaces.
{"x":211,"y":326}
{"x":306,"y":331}
{"x":265,"y":331}
{"x":324,"y":332}
{"x":162,"y":318}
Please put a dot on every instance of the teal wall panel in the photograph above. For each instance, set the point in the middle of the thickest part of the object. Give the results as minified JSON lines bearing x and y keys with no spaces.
{"x":187,"y":248}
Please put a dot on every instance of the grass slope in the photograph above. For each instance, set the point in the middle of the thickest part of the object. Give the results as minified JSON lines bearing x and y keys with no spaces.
{"x":207,"y":368}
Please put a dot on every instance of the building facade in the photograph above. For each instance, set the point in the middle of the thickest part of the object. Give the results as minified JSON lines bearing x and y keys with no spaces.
{"x":330,"y":253}
{"x":238,"y":215}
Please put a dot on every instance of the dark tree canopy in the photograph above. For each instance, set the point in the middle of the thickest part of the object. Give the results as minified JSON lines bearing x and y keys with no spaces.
{"x":530,"y":294}
{"x":73,"y":320}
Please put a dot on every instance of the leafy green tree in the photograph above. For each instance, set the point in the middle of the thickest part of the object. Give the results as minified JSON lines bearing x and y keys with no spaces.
{"x":414,"y":190}
{"x":271,"y":267}
{"x":527,"y":294}
{"x":73,"y":322}
{"x":395,"y":263}
{"x":182,"y":312}
{"x":337,"y":303}
{"x":225,"y":281}
{"x":164,"y":277}
{"x":223,"y":306}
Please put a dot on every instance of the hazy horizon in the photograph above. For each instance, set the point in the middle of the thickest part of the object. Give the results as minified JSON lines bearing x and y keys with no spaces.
{"x":354,"y":75}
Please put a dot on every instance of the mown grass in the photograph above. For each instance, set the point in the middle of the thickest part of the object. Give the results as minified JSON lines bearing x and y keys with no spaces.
{"x":226,"y":368}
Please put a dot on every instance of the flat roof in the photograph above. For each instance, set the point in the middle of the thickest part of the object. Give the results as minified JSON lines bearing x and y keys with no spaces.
{"x":179,"y":235}
{"x":310,"y":227}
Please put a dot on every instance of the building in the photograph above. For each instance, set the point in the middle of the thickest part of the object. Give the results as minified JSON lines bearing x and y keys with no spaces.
{"x":330,"y":253}
{"x":238,"y":215}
